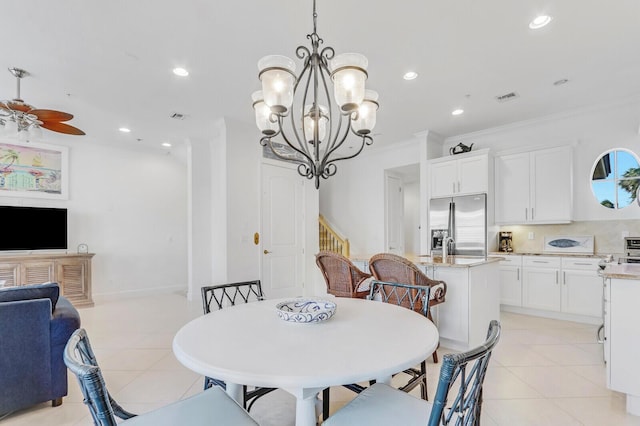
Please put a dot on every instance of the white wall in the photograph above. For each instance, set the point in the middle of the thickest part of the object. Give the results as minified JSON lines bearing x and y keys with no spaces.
{"x":129,"y":207}
{"x":353,"y":200}
{"x":244,"y":154}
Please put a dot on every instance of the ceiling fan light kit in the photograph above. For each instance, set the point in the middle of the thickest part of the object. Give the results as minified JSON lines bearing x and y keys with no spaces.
{"x":318,"y":125}
{"x":16,"y":116}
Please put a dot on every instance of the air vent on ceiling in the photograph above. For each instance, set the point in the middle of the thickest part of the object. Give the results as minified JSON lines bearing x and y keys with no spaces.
{"x":507,"y":97}
{"x":178,"y":116}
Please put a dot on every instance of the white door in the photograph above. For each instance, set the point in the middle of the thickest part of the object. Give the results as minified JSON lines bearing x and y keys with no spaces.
{"x":395,"y":215}
{"x":282,"y":232}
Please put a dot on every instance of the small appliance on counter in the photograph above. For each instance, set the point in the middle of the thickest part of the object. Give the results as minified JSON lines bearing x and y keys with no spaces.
{"x":505,"y":241}
{"x":631,"y":250}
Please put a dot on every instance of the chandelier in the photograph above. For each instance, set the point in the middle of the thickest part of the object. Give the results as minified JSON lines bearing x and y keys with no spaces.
{"x":315,"y":130}
{"x":18,"y":117}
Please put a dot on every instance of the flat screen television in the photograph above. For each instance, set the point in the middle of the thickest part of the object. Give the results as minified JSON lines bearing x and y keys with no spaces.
{"x":33,"y":228}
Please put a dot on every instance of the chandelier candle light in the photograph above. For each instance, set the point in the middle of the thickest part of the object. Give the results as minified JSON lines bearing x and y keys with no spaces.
{"x":318,"y":125}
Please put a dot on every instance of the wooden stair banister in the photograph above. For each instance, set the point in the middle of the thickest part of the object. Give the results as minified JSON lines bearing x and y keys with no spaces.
{"x":330,"y":240}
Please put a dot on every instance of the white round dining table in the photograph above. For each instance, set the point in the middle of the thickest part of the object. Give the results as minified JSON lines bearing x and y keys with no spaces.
{"x":248,"y":344}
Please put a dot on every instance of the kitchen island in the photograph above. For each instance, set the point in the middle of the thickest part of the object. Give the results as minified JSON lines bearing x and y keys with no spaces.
{"x":622,"y":338}
{"x":472,"y":299}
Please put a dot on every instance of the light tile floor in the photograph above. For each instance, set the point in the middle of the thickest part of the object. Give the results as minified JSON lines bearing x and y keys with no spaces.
{"x":543,"y":371}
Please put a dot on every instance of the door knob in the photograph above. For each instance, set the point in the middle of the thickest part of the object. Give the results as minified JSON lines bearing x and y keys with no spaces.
{"x":266,"y":252}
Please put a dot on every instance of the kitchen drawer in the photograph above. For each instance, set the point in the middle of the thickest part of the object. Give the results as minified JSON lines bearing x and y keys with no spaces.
{"x":542,"y":261}
{"x":580,"y":263}
{"x":511,"y":260}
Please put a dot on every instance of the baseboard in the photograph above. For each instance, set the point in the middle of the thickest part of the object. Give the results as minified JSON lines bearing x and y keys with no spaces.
{"x":553,"y":315}
{"x":137,"y":293}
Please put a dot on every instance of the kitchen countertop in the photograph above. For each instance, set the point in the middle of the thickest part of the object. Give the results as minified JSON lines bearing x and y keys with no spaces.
{"x":625,"y":271}
{"x":452,"y":261}
{"x":584,"y":255}
{"x":456,"y":261}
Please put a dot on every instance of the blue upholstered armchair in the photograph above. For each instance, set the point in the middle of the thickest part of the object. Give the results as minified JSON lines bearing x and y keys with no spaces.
{"x":35,"y":325}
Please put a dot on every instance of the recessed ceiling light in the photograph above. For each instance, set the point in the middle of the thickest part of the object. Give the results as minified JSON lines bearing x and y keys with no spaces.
{"x":539,"y":22}
{"x":411,"y":75}
{"x":457,"y":111}
{"x":124,"y":130}
{"x":180,"y":72}
{"x":166,"y":144}
{"x":561,"y":82}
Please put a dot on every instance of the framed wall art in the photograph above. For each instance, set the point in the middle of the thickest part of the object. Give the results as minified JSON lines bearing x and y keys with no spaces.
{"x":34,"y":170}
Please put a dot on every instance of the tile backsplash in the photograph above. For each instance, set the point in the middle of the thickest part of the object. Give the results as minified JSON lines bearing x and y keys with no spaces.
{"x":608,"y":234}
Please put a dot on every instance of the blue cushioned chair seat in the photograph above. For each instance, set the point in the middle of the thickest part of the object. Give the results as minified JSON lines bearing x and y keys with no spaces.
{"x":382,"y":405}
{"x":210,"y":407}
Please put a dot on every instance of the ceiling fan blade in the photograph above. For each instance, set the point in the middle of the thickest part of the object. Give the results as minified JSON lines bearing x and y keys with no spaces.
{"x":18,"y":106}
{"x":51,"y":115}
{"x":56,"y":126}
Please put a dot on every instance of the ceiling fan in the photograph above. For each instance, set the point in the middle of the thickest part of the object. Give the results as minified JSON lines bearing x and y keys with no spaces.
{"x":18,"y":115}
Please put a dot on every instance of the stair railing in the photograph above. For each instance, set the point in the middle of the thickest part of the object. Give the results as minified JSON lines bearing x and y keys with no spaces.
{"x":330,"y":240}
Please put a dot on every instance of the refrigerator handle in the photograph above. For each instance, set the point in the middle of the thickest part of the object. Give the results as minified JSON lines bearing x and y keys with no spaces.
{"x":526,"y":213}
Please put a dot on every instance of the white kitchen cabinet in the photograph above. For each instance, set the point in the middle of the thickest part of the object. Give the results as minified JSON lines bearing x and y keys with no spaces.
{"x":511,"y":280}
{"x":471,"y":302}
{"x":465,"y":174}
{"x":559,"y":287}
{"x":581,"y":287}
{"x":621,"y":330}
{"x":534,"y":187}
{"x":541,"y":283}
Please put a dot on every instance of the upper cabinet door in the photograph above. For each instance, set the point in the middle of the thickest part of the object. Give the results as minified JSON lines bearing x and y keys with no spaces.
{"x":534,"y":187}
{"x":512,"y":188}
{"x":551,"y":188}
{"x":466,"y":174}
{"x":473,"y":175}
{"x":444,"y":178}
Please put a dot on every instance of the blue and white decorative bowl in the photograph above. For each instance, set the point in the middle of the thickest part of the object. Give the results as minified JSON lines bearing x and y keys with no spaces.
{"x":306,"y":310}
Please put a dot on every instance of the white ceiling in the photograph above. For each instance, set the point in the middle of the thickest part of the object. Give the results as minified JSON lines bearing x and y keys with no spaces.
{"x":110,"y":62}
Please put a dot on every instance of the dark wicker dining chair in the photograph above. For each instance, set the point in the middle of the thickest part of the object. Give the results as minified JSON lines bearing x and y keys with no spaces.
{"x":342,"y":277}
{"x":393,"y":268}
{"x":228,"y":295}
{"x":211,"y":407}
{"x":461,"y":374}
{"x":413,"y":297}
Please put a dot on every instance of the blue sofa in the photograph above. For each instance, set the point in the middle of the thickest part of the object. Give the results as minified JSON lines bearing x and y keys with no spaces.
{"x":35,"y":325}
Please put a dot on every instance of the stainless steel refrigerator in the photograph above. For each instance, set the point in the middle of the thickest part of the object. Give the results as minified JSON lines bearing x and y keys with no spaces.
{"x":465,"y":219}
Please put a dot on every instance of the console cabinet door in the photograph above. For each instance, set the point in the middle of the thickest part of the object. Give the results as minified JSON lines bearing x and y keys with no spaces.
{"x":74,"y":277}
{"x":9,"y":274}
{"x":36,"y":272}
